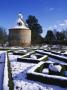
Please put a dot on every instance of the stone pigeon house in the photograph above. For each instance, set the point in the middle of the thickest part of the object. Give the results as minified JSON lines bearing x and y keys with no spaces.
{"x":20,"y":34}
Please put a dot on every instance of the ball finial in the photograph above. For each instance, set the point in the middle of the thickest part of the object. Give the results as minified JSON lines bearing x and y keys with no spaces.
{"x":20,"y":16}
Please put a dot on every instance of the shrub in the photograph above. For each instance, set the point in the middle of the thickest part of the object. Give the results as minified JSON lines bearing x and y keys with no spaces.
{"x":39,"y":69}
{"x":53,"y":78}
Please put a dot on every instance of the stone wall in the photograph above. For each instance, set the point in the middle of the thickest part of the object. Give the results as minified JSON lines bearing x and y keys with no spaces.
{"x":19,"y":37}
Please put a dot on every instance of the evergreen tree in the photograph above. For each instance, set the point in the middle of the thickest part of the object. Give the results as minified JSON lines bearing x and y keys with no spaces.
{"x":60,"y":36}
{"x":49,"y":38}
{"x":3,"y":36}
{"x":35,"y":28}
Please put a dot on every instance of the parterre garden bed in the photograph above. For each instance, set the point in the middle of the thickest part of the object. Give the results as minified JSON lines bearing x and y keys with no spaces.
{"x":56,"y":56}
{"x":41,"y":72}
{"x":20,"y":52}
{"x":33,"y":57}
{"x":36,"y":73}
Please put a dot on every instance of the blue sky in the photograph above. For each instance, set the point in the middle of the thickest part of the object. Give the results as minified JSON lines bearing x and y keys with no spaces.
{"x":50,"y":13}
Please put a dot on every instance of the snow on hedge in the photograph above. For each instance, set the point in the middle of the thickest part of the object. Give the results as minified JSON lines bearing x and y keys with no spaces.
{"x":20,"y":51}
{"x":32,"y":71}
{"x":55,"y":68}
{"x":19,"y":70}
{"x":55,"y":55}
{"x":5,"y":80}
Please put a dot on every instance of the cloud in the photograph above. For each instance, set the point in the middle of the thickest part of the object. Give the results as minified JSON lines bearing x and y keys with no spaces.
{"x":59,"y":25}
{"x":62,"y":24}
{"x":65,"y":21}
{"x":50,"y":28}
{"x":51,"y":9}
{"x":55,"y":26}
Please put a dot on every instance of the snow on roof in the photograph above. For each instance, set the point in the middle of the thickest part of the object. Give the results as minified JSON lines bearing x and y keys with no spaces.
{"x":20,"y":23}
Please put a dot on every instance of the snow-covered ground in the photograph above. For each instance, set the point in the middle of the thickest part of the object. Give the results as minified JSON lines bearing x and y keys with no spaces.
{"x":1,"y":75}
{"x":2,"y":63}
{"x":2,"y":56}
{"x":19,"y":70}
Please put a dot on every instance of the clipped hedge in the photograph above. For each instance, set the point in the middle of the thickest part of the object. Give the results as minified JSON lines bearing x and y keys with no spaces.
{"x":56,"y":56}
{"x":36,"y":75}
{"x":39,"y":69}
{"x":52,"y":81}
{"x":30,"y":60}
{"x":59,"y":58}
{"x":10,"y":83}
{"x":18,"y":53}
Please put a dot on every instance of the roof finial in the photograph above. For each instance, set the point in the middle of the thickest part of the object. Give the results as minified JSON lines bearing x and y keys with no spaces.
{"x":20,"y":16}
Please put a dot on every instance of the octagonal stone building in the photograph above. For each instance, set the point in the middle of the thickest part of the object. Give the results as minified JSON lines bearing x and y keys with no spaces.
{"x":20,"y":35}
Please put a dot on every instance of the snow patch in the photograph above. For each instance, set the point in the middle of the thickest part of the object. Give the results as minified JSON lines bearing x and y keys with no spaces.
{"x":45,"y":71}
